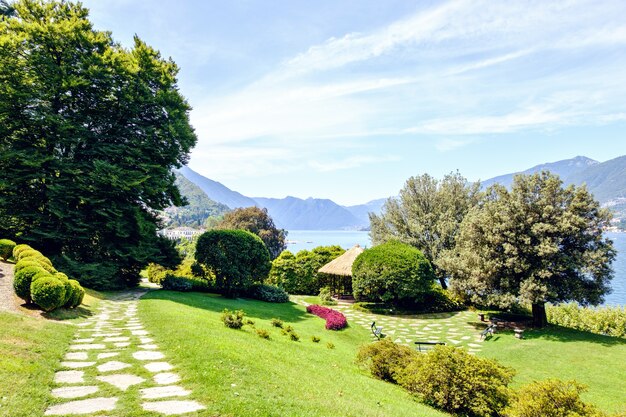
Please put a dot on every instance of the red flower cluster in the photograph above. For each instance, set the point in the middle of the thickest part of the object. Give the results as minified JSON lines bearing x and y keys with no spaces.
{"x":334,"y":319}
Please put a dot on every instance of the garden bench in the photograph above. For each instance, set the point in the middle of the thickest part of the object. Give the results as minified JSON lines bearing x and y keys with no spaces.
{"x":377,"y":330}
{"x":490,"y":330}
{"x":427,"y":345}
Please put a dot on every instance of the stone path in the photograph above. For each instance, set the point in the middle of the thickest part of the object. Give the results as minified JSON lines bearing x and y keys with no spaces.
{"x":452,"y":328}
{"x":112,"y":361}
{"x":7,"y":295}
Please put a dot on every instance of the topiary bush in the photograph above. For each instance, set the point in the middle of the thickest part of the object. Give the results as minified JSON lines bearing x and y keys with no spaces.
{"x":174,"y":283}
{"x":6,"y":248}
{"x":77,"y":294}
{"x":41,"y":260}
{"x":19,"y":249}
{"x":453,"y":380}
{"x":551,"y":398}
{"x":22,"y":280}
{"x":384,"y":359}
{"x":28,"y":252}
{"x":392,"y":272}
{"x":334,"y":319}
{"x":267,"y":293}
{"x":25,"y":263}
{"x":234,"y":319}
{"x":68,"y":287}
{"x":48,"y":292}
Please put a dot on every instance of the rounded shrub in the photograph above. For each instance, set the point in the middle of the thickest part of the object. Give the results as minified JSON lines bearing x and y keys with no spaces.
{"x":68,"y":287}
{"x":392,"y":272}
{"x":458,"y":382}
{"x":385,"y":359}
{"x":28,"y":253}
{"x":41,"y":260}
{"x":6,"y":248}
{"x":41,"y":274}
{"x":48,"y":292}
{"x":77,"y":294}
{"x":23,"y":279}
{"x":19,"y":249}
{"x":25,"y":263}
{"x":551,"y":398}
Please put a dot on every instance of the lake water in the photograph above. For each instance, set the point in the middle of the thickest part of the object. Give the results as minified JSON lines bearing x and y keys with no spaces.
{"x":309,"y":239}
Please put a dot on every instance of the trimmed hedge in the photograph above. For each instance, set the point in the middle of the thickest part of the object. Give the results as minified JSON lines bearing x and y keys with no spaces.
{"x":28,"y":252}
{"x":268,"y":293}
{"x":48,"y":292}
{"x":178,"y":283}
{"x":18,"y":249}
{"x":6,"y":248}
{"x":25,"y":263}
{"x":77,"y":295}
{"x":22,"y":280}
{"x":610,"y":321}
{"x":334,"y":319}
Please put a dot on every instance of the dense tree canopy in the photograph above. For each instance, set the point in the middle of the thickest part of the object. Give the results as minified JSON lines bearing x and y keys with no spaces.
{"x":257,"y":221}
{"x":237,"y":258}
{"x":427,"y":215}
{"x":89,"y":135}
{"x":537,"y":243}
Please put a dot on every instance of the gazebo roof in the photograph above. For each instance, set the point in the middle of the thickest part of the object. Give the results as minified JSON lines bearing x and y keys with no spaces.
{"x":343,"y":264}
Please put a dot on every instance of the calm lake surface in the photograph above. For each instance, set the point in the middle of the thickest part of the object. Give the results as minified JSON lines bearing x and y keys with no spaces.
{"x":309,"y":239}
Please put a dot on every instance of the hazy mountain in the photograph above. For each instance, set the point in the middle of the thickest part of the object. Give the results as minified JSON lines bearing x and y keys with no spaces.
{"x":606,"y":180}
{"x":293,"y":213}
{"x":200,"y":206}
{"x":563,"y":169}
{"x":217,"y":191}
{"x":361,"y":211}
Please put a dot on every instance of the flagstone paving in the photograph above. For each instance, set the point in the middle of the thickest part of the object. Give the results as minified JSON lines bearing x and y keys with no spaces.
{"x":102,"y":383}
{"x":454,"y":328}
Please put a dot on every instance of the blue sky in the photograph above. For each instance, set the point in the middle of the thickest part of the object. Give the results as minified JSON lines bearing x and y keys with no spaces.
{"x":347,"y":99}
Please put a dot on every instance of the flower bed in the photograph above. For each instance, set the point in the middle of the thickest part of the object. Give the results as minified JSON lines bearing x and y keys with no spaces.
{"x":334,"y":319}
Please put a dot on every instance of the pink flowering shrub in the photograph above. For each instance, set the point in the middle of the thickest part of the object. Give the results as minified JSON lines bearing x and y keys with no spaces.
{"x":334,"y":319}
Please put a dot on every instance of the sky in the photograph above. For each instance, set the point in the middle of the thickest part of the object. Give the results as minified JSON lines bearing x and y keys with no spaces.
{"x":348,"y":99}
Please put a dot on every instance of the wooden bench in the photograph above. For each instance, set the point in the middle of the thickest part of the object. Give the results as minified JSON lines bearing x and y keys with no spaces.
{"x":429,"y":344}
{"x":377,"y":331}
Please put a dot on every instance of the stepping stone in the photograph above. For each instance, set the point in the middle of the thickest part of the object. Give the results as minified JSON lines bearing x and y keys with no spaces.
{"x":163,"y":392}
{"x":158,"y":366}
{"x":91,"y":346}
{"x":170,"y":408}
{"x":139,"y":332}
{"x":74,"y":392}
{"x":474,"y":345}
{"x":146,"y":339}
{"x":466,"y":338}
{"x":166,"y":378}
{"x":117,"y":339}
{"x":137,"y":327}
{"x":69,"y":377}
{"x":112,"y":366}
{"x":90,"y":406}
{"x":121,"y":381}
{"x":84,"y":324}
{"x":147,"y":355}
{"x":107,"y":334}
{"x":121,"y":344}
{"x":76,"y":356}
{"x":87,"y":340}
{"x":148,"y":347}
{"x":107,"y":355}
{"x":77,"y":364}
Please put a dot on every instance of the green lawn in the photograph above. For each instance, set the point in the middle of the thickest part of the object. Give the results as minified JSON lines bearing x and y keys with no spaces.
{"x":30,"y":350}
{"x":555,"y":352}
{"x":236,"y":373}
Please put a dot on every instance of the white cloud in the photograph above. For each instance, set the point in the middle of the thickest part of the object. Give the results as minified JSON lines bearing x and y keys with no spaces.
{"x":349,"y":162}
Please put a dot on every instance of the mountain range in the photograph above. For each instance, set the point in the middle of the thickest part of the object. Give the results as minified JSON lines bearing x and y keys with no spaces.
{"x":606,"y":180}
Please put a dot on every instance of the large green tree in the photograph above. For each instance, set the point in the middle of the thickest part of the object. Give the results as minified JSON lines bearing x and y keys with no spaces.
{"x":537,"y":243}
{"x":259,"y":222}
{"x":89,"y":134}
{"x":427,"y":214}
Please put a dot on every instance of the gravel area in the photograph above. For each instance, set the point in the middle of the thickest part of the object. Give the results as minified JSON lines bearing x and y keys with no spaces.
{"x":8,"y":301}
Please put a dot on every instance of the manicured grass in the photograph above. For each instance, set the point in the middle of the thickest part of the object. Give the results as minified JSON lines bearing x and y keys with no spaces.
{"x":237,"y":373}
{"x":556,"y":352}
{"x":30,"y":350}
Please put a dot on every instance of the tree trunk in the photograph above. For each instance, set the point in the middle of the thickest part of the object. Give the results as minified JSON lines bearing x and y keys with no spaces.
{"x":442,"y":281}
{"x":540,"y":319}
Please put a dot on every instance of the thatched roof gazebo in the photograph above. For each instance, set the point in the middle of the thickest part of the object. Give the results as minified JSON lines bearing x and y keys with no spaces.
{"x":339,"y":271}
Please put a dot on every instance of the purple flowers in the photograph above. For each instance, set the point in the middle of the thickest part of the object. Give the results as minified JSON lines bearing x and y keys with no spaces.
{"x":334,"y":319}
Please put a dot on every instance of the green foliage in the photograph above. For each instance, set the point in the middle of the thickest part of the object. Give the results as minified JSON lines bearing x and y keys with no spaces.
{"x":23,"y":279}
{"x":427,"y":215}
{"x":68,"y":287}
{"x":6,"y":248}
{"x":330,"y":345}
{"x":41,"y":261}
{"x":262,"y":333}
{"x":385,"y":359}
{"x":237,"y":258}
{"x":233,"y":320}
{"x":29,"y":253}
{"x":48,"y":292}
{"x":287,"y":330}
{"x":25,"y":263}
{"x":326,"y":297}
{"x":458,"y":382}
{"x":551,"y":398}
{"x":608,"y":320}
{"x":277,"y":323}
{"x":77,"y":294}
{"x":156,"y":273}
{"x":257,"y":221}
{"x":315,"y":339}
{"x":298,"y":274}
{"x":392,"y":272}
{"x":268,"y":293}
{"x":18,"y":249}
{"x":537,"y":243}
{"x":294,"y":336}
{"x":436,"y":300}
{"x":89,"y":134}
